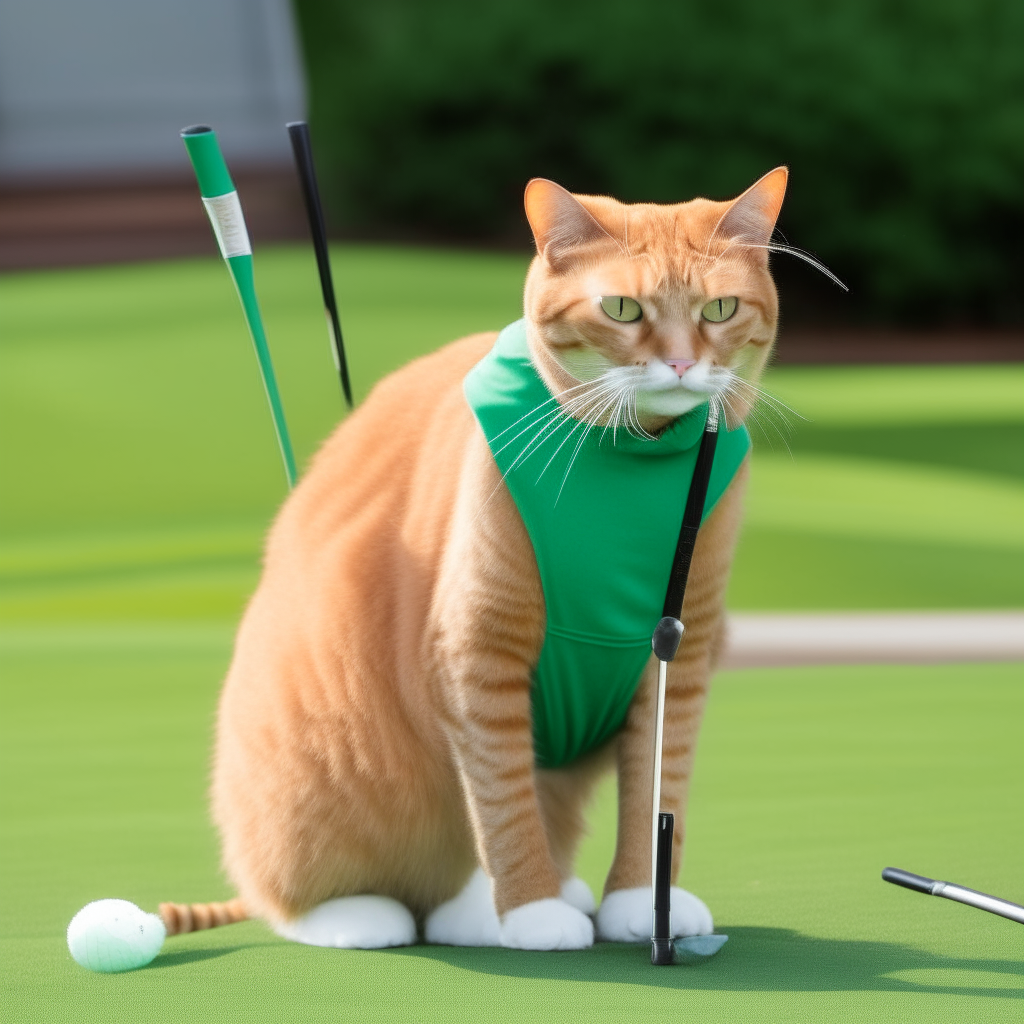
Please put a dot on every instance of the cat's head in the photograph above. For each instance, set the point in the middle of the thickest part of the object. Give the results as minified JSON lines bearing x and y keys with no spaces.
{"x":638,"y":313}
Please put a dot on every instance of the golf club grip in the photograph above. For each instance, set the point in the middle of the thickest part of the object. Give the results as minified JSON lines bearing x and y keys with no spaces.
{"x":692,"y":516}
{"x":661,"y":941}
{"x":909,"y":880}
{"x":212,"y":174}
{"x":220,"y":198}
{"x":302,"y":147}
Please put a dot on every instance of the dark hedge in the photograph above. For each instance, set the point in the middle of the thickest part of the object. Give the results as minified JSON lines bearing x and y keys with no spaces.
{"x":902,"y":123}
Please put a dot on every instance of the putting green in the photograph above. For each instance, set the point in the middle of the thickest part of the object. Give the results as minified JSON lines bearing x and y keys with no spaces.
{"x":808,"y":783}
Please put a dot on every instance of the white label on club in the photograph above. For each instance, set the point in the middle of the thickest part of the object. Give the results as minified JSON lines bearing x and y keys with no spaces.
{"x":225,"y":213}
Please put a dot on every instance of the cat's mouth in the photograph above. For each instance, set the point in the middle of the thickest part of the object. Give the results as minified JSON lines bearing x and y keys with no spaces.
{"x":644,"y":398}
{"x":668,"y":403}
{"x":664,"y":391}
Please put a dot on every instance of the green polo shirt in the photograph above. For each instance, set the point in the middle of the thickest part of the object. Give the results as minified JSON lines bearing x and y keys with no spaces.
{"x":604,"y":531}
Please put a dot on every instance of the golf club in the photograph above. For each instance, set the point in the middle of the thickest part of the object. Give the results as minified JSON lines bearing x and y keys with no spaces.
{"x":959,"y":893}
{"x":225,"y":212}
{"x":665,"y":642}
{"x":298,"y":132}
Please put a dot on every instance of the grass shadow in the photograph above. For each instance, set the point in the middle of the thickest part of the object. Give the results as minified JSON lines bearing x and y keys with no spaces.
{"x":179,"y":957}
{"x":754,"y":959}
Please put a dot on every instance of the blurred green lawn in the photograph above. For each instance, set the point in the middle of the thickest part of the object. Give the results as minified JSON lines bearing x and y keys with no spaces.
{"x":138,"y":474}
{"x":139,"y":469}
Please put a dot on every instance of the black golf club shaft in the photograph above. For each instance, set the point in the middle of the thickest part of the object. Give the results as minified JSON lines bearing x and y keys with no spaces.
{"x":692,"y":516}
{"x":298,"y":132}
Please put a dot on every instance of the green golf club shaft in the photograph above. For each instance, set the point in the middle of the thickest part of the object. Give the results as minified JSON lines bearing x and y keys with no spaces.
{"x":225,"y":211}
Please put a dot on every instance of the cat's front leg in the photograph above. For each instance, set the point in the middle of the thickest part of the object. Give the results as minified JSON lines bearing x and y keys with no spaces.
{"x":491,"y":738}
{"x":487,"y":630}
{"x":625,"y":911}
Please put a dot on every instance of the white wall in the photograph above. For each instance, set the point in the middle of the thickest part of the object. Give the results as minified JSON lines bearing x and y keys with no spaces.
{"x":99,"y":86}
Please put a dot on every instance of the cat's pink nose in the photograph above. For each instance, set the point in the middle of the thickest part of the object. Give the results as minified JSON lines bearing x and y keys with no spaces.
{"x":681,"y":365}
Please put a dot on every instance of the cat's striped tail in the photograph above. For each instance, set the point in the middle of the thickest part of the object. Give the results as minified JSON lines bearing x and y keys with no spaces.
{"x":180,"y":918}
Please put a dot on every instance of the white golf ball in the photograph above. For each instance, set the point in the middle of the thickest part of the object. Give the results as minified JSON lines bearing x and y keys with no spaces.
{"x":114,"y":935}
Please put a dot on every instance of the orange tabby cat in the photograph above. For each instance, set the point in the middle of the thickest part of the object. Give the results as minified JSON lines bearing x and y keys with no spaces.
{"x":375,"y":773}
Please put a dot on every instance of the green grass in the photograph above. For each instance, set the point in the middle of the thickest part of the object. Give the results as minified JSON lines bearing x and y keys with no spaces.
{"x":138,"y":475}
{"x":808,"y":783}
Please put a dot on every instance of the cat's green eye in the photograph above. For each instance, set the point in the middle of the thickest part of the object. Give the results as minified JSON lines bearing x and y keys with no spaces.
{"x":718,"y":310}
{"x":621,"y":308}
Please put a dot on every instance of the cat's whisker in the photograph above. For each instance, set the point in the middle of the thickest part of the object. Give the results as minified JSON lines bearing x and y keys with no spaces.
{"x":561,"y":398}
{"x":630,"y":419}
{"x":768,"y":428}
{"x":572,"y":460}
{"x":791,"y":250}
{"x":555,"y":420}
{"x":775,"y":403}
{"x":625,"y":414}
{"x":580,"y":422}
{"x":633,"y":424}
{"x":526,"y":415}
{"x":587,"y":427}
{"x":707,"y":250}
{"x":617,"y":414}
{"x":582,"y":407}
{"x":763,"y":410}
{"x":544,"y":426}
{"x":629,"y":411}
{"x":629,"y":408}
{"x":622,"y":411}
{"x":625,"y":411}
{"x":767,"y":424}
{"x":579,"y":445}
{"x":537,"y":418}
{"x":615,"y":418}
{"x":605,"y":389}
{"x":766,"y":410}
{"x":558,"y":412}
{"x":779,"y":247}
{"x":537,"y":408}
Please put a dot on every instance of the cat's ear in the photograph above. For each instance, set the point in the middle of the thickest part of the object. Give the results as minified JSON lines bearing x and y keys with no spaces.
{"x":560,"y":222}
{"x":751,"y":218}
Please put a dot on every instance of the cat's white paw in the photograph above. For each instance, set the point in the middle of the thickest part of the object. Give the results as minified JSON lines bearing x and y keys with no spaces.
{"x":353,"y":922}
{"x":690,"y":915}
{"x":546,"y":924}
{"x":467,"y":920}
{"x":577,"y":894}
{"x":625,"y":915}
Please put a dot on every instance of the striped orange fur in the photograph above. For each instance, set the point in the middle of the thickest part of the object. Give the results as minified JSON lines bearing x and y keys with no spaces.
{"x":181,"y":918}
{"x":374,"y":730}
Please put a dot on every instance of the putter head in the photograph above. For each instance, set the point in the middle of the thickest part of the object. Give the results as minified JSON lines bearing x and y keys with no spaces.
{"x":695,"y":948}
{"x":690,"y":950}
